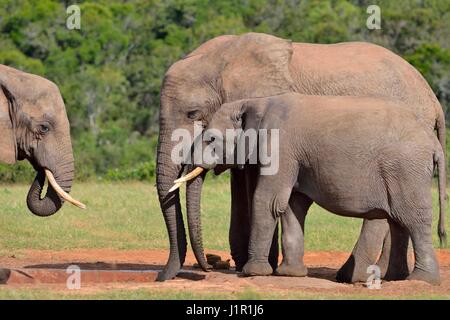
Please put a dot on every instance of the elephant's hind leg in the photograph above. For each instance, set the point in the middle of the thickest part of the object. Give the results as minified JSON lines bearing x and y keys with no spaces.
{"x":411,"y":207}
{"x":426,"y":267}
{"x":292,"y":236}
{"x":366,"y":251}
{"x":397,"y":266}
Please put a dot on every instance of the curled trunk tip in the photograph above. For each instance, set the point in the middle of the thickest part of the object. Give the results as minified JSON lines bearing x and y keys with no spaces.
{"x":46,"y":206}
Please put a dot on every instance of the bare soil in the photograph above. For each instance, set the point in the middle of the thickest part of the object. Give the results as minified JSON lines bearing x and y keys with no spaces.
{"x":105,"y":269}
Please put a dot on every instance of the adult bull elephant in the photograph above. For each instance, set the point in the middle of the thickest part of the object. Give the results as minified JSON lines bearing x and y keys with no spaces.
{"x":35,"y":127}
{"x":229,"y":68}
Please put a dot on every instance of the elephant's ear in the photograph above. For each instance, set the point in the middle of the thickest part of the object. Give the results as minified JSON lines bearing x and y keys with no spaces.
{"x":8,"y":146}
{"x":256,"y":65}
{"x":251,"y":113}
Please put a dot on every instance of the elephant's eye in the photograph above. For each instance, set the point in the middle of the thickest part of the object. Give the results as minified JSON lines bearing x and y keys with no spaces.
{"x":194,"y":114}
{"x":44,"y":128}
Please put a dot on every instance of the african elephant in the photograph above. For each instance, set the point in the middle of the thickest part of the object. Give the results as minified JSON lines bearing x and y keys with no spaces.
{"x":354,"y":156}
{"x":228,"y":68}
{"x":35,"y":127}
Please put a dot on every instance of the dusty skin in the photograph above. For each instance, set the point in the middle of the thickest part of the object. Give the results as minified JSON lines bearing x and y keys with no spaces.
{"x":48,"y":270}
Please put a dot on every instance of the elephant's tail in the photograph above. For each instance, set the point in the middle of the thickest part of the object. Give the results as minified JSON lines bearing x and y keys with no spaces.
{"x":440,"y":127}
{"x":439,"y":159}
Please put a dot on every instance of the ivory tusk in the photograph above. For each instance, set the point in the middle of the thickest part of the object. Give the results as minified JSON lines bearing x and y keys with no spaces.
{"x":176,"y":186}
{"x":61,"y":192}
{"x":190,"y":175}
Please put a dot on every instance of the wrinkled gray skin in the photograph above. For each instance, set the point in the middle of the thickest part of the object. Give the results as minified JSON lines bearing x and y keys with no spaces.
{"x":354,"y":156}
{"x":35,"y":127}
{"x":229,"y":68}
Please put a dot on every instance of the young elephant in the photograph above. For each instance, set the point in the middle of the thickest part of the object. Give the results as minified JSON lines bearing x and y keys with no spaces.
{"x":354,"y":156}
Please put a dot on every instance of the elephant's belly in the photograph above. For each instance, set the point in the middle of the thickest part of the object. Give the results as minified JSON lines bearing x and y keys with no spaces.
{"x":345,"y":199}
{"x":353,"y":209}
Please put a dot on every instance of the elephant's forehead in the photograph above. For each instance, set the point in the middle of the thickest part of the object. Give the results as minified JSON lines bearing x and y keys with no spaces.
{"x":43,"y":102}
{"x":184,"y":65}
{"x":34,"y":94}
{"x":186,"y":92}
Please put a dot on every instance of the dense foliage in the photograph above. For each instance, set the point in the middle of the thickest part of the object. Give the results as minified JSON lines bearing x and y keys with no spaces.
{"x":110,"y":70}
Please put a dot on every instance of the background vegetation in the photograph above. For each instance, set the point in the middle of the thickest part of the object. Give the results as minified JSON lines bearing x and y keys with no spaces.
{"x":110,"y":71}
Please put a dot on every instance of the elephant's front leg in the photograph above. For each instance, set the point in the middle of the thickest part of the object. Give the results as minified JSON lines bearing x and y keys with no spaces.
{"x":239,"y":234}
{"x":270,"y":201}
{"x":373,"y":237}
{"x":243,"y":184}
{"x":292,"y":236}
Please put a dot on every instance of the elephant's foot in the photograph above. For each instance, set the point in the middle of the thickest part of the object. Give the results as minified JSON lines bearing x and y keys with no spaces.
{"x":4,"y":275}
{"x":257,"y":268}
{"x":430,"y":277}
{"x":353,"y":270}
{"x":292,"y":270}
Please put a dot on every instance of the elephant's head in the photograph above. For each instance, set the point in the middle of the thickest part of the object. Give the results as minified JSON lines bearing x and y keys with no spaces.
{"x":232,"y":136}
{"x":35,"y":127}
{"x":226,"y":68}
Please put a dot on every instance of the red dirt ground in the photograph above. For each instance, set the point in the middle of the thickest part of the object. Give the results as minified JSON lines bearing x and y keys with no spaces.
{"x":46,"y":269}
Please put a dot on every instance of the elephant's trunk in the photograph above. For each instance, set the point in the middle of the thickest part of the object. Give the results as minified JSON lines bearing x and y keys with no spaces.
{"x":193,"y":196}
{"x":51,"y":202}
{"x":166,"y":173}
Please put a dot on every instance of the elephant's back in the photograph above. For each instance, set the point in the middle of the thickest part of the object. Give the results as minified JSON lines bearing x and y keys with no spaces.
{"x":362,"y":69}
{"x":353,"y":122}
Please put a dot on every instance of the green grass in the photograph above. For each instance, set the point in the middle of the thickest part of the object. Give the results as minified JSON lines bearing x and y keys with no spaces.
{"x":127,"y":216}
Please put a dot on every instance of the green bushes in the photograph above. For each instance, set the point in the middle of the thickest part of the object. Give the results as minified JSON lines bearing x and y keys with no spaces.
{"x":20,"y":172}
{"x":110,"y":71}
{"x":144,"y":171}
{"x":113,"y":155}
